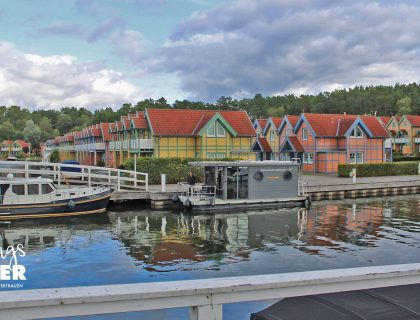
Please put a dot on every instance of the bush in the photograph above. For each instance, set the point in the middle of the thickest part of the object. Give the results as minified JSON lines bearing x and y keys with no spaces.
{"x":379,"y":169}
{"x":55,"y":156}
{"x":176,"y":169}
{"x":405,"y":158}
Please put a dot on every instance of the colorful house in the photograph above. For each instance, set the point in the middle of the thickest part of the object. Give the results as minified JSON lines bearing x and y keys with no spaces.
{"x":322,"y":141}
{"x":10,"y":148}
{"x":201,"y":134}
{"x":407,"y":139}
{"x":284,"y":131}
{"x":267,"y":142}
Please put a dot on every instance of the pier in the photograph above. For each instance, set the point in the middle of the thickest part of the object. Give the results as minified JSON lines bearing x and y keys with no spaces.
{"x":204,"y":297}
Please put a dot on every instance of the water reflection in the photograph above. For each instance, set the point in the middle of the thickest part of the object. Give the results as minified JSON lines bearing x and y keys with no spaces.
{"x":165,"y":242}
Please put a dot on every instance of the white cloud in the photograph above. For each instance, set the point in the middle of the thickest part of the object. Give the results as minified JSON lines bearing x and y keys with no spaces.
{"x":279,"y":46}
{"x":32,"y":80}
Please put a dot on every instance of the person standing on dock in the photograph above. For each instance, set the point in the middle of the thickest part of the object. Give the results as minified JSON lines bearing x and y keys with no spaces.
{"x":191,"y":183}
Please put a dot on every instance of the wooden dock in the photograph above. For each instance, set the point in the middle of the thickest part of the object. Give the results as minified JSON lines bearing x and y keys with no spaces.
{"x":322,"y":191}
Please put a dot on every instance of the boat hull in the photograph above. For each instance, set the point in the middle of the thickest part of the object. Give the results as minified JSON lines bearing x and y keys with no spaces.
{"x":79,"y":206}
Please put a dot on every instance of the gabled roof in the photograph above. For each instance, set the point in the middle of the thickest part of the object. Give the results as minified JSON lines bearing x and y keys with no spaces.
{"x":291,"y":144}
{"x":22,"y":143}
{"x":385,"y":119}
{"x":263,"y":145}
{"x":272,"y":121}
{"x":375,"y":126}
{"x":260,"y":123}
{"x":185,"y":122}
{"x":139,"y":121}
{"x":290,"y":119}
{"x":7,"y":142}
{"x":105,"y":131}
{"x":414,"y":120}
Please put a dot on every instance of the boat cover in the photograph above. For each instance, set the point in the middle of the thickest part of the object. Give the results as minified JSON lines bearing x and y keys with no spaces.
{"x":391,"y":303}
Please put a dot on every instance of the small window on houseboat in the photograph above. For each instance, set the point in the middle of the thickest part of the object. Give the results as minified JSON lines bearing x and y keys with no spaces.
{"x":46,"y":188}
{"x":33,"y":189}
{"x":18,"y":189}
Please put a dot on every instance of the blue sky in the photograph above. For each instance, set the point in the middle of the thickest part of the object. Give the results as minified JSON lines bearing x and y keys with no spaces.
{"x":102,"y":53}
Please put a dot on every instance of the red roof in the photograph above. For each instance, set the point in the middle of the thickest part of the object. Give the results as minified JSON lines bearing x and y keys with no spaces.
{"x":293,"y":119}
{"x":105,"y":131}
{"x":414,"y":120}
{"x":296,"y":144}
{"x":262,"y":123}
{"x":375,"y":126}
{"x":7,"y":142}
{"x":264,"y":145}
{"x":276,"y":121}
{"x":385,"y":119}
{"x":140,"y":121}
{"x":393,"y":133}
{"x":23,"y":143}
{"x":185,"y":122}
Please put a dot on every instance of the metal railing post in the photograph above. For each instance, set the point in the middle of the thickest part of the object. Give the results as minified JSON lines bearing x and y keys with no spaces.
{"x":118,"y":180}
{"x":89,"y":178}
{"x":26,"y":171}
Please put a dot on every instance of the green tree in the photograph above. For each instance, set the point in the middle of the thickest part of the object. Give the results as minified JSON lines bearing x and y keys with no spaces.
{"x":64,"y":123}
{"x":8,"y":131}
{"x":32,"y":133}
{"x":55,"y":156}
{"x":404,"y":106}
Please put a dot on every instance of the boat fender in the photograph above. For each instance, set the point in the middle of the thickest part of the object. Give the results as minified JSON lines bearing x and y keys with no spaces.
{"x":175,"y":198}
{"x":307,"y":203}
{"x":188,"y":203}
{"x":71,"y":204}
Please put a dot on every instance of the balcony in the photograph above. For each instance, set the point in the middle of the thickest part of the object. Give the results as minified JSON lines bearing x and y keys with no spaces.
{"x":401,"y":140}
{"x":417,"y":140}
{"x":97,"y":146}
{"x":125,"y":144}
{"x":141,"y":144}
{"x":111,"y":145}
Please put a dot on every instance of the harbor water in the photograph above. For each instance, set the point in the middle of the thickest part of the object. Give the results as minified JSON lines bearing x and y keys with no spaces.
{"x":135,"y":245}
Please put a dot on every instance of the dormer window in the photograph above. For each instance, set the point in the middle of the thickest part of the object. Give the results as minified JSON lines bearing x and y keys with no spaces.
{"x":304,"y":134}
{"x":216,"y":130}
{"x":356,"y":133}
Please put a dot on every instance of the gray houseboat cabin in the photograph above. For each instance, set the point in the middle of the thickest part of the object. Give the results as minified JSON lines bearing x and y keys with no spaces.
{"x":237,"y":185}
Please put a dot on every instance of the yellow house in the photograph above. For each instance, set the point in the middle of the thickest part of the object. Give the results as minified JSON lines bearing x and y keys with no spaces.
{"x":408,"y":135}
{"x":201,"y":134}
{"x":267,"y":144}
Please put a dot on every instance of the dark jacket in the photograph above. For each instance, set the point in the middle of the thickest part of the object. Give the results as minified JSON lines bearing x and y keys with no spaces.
{"x":191,"y":180}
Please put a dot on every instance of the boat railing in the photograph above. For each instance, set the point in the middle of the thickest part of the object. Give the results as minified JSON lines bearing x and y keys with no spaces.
{"x":202,"y":192}
{"x":75,"y":174}
{"x":203,"y":297}
{"x":302,"y":187}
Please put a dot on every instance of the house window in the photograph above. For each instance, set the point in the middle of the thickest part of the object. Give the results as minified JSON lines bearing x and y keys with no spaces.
{"x":356,"y":133}
{"x":304,"y":134}
{"x":356,"y":157}
{"x":272,"y":135}
{"x":216,"y":130}
{"x":308,"y":157}
{"x":287,"y":132}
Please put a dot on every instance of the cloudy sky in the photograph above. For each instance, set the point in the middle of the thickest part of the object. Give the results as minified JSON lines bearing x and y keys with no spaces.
{"x":102,"y":53}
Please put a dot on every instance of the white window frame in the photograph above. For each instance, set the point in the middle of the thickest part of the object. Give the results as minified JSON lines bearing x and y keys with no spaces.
{"x":355,"y":133}
{"x":308,"y":158}
{"x":358,"y":157}
{"x":304,"y":134}
{"x":272,"y":136}
{"x":215,"y":127}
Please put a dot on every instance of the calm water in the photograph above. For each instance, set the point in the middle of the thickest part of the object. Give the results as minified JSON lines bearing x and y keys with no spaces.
{"x":136,"y":245}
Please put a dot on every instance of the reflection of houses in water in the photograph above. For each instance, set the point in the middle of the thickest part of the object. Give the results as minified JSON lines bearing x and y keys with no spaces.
{"x":331,"y":224}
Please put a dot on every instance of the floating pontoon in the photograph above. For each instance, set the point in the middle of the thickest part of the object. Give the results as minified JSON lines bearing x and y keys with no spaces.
{"x":239,"y":185}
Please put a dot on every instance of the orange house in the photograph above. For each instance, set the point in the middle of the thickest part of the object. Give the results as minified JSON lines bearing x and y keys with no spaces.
{"x":285,"y":130}
{"x":267,"y":143}
{"x":407,"y":139}
{"x":322,"y":141}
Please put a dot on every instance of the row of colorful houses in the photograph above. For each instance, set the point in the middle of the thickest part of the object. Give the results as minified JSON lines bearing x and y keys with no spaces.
{"x":14,"y":148}
{"x":322,"y":141}
{"x":405,"y":133}
{"x":319,"y":141}
{"x":195,"y":134}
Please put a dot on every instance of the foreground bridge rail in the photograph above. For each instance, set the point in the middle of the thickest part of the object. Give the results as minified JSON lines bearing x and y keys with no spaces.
{"x":64,"y":174}
{"x":204,"y":297}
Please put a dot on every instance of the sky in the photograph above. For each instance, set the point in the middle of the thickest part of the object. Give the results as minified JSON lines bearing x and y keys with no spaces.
{"x":101,"y":53}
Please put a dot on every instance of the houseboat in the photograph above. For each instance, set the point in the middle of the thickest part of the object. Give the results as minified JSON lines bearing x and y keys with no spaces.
{"x":239,"y":185}
{"x":39,"y":198}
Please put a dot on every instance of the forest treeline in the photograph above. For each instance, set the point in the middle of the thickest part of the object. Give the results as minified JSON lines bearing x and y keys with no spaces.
{"x":18,"y":122}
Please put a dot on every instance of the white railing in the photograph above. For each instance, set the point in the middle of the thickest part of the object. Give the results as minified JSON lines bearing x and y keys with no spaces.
{"x":417,"y":140}
{"x":125,"y":144}
{"x":77,"y":174}
{"x":401,"y":140}
{"x":204,"y":297}
{"x":98,"y":146}
{"x":118,"y":145}
{"x":142,"y":144}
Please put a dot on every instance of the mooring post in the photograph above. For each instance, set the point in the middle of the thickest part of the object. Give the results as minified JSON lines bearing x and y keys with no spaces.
{"x":206,"y":312}
{"x":163,"y":182}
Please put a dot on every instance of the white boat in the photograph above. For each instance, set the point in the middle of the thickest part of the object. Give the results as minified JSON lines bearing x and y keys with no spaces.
{"x":39,"y":198}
